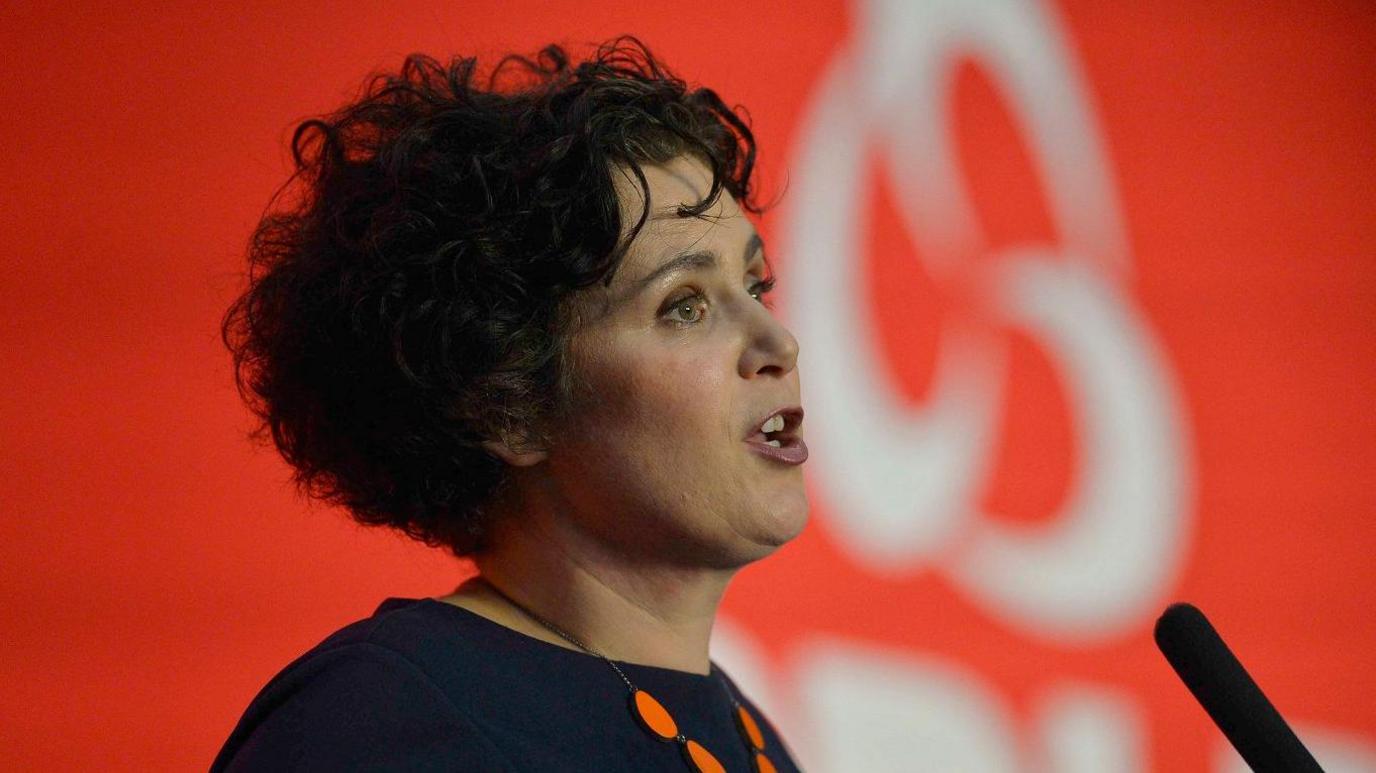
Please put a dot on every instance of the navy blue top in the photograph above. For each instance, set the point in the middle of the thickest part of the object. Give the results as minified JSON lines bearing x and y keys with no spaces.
{"x":425,"y":685}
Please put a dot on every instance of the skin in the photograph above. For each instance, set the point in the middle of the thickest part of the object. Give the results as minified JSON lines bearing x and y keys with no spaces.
{"x":626,"y":527}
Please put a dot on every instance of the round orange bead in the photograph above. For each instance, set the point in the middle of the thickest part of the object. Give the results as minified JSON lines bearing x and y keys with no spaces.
{"x":752,"y":730}
{"x":653,"y":716}
{"x":702,"y":759}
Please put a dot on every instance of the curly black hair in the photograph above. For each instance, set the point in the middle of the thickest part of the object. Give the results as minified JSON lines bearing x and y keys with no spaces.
{"x":409,"y":286}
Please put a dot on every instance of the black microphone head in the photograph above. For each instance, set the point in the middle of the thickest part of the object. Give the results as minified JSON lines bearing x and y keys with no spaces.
{"x":1225,"y":690}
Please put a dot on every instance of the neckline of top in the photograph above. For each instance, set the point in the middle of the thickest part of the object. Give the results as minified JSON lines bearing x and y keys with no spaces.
{"x":516,"y":635}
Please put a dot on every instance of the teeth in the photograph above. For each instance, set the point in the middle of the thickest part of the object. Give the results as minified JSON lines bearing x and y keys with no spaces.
{"x":773,"y":425}
{"x":774,"y":443}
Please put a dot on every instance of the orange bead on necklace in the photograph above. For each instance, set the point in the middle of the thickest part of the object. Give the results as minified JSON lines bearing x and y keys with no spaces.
{"x":656,"y":720}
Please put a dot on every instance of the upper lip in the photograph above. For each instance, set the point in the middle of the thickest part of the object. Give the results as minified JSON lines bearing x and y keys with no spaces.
{"x":793,"y":420}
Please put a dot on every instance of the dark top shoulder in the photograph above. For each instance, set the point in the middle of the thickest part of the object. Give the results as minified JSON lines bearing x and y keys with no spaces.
{"x":425,"y":685}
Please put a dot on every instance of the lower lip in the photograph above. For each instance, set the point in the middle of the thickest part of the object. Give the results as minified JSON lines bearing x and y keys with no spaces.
{"x":793,"y":450}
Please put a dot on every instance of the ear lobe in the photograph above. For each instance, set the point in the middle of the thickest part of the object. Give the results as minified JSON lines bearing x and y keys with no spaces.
{"x":513,"y":455}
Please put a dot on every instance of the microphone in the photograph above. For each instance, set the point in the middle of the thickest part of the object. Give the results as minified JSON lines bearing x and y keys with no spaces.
{"x":1223,"y":687}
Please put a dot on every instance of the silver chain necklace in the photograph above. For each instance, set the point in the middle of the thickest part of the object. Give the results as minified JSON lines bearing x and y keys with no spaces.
{"x":664,"y":728}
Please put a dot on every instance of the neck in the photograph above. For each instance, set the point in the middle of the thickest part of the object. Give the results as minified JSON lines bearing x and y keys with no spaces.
{"x":628,"y":610}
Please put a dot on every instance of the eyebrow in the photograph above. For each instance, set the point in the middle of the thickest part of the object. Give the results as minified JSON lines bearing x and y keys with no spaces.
{"x":697,"y":260}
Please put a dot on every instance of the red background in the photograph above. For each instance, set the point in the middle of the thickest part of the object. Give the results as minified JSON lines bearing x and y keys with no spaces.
{"x":158,"y":570}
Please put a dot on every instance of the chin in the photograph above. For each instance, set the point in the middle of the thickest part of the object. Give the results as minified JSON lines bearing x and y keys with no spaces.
{"x":783,"y":523}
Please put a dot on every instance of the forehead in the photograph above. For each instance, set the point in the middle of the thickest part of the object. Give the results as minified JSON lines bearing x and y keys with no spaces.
{"x":680,"y":182}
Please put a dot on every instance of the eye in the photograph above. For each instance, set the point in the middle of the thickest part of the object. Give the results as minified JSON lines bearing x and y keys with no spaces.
{"x":761,"y":289}
{"x":687,"y":310}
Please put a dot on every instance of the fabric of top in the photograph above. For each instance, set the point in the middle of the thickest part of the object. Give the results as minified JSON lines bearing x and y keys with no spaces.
{"x":425,"y":685}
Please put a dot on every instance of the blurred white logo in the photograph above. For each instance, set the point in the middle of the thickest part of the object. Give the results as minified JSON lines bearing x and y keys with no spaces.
{"x":903,"y":484}
{"x":902,"y":481}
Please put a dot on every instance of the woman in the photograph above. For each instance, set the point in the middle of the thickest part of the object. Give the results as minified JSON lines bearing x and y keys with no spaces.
{"x":527,"y":322}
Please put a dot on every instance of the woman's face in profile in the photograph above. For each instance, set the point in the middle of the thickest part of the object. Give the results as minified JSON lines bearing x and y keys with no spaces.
{"x":659,"y":454}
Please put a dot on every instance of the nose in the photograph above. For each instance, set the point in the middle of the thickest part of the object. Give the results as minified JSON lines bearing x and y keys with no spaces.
{"x":770,"y":348}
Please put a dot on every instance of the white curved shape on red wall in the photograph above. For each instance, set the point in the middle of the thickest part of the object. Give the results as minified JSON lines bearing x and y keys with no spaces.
{"x":902,"y":481}
{"x":1117,"y":540}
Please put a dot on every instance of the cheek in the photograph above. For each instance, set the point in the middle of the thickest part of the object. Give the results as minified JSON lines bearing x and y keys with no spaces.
{"x":680,"y":396}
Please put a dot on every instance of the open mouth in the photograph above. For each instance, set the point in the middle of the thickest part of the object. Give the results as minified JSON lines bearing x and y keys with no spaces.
{"x":778,"y":438}
{"x":779,"y":430}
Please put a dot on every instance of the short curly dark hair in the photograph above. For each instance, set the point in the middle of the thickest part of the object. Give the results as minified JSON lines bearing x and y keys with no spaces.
{"x":410,"y":297}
